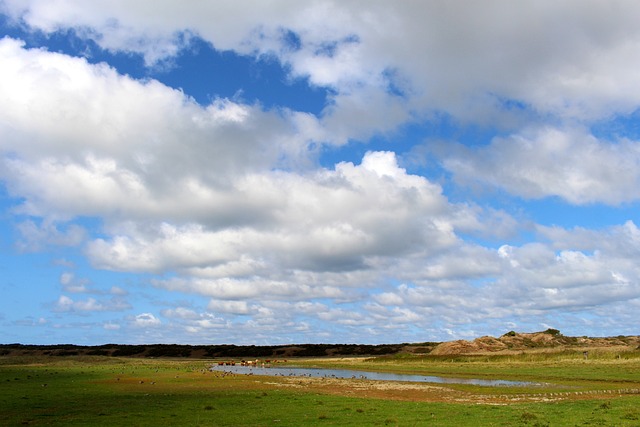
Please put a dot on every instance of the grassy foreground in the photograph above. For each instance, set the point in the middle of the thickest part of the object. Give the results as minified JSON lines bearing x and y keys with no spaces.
{"x":100,"y":391}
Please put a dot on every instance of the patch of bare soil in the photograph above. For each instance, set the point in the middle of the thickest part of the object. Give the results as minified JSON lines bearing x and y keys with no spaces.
{"x":374,"y":389}
{"x":418,"y":392}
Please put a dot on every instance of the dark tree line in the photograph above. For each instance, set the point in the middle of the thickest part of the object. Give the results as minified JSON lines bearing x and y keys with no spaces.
{"x":206,"y":351}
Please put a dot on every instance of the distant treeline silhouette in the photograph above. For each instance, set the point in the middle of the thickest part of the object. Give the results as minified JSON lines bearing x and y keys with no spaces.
{"x":212,"y":351}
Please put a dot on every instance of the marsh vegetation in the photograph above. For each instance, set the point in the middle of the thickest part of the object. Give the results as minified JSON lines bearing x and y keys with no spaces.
{"x":113,"y":391}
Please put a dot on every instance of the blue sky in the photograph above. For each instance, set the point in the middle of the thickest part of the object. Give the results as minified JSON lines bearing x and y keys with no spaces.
{"x":317,"y":172}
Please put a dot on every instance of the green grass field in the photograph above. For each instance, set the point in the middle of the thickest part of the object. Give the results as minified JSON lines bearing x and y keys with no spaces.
{"x":100,"y":391}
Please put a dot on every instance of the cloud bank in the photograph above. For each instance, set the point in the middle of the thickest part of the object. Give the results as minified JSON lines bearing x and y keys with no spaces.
{"x":225,"y":213}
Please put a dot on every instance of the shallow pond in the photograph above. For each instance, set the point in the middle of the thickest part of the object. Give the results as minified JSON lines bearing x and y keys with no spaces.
{"x":353,"y":374}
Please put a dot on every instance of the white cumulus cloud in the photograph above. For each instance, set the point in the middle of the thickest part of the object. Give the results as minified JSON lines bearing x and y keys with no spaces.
{"x":567,"y":163}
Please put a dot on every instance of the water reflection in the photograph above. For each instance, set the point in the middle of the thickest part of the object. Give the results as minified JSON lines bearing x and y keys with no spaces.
{"x":353,"y":374}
